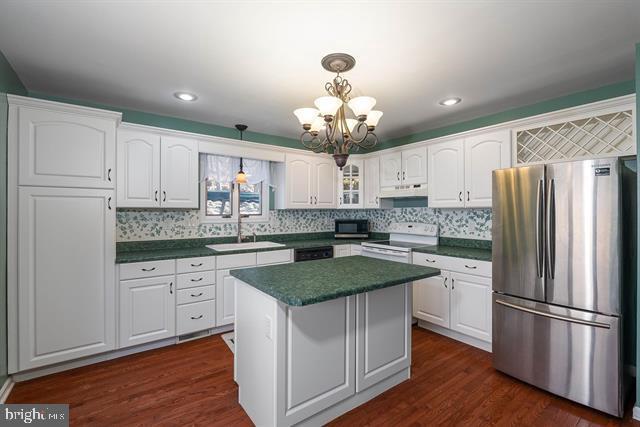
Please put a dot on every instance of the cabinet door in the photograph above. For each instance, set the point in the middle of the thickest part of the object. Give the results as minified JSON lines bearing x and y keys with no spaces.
{"x":60,"y":149}
{"x":414,"y":166}
{"x":66,"y":274}
{"x":340,"y":251}
{"x":383,"y":334}
{"x":138,"y":169}
{"x":446,"y":174}
{"x":391,"y":168}
{"x":299,"y":176}
{"x":372,"y":182}
{"x":471,"y":305}
{"x":431,"y":299}
{"x":179,"y":172}
{"x":225,"y":298}
{"x":350,"y":185}
{"x":324,"y":183}
{"x":482,"y":155}
{"x":147,"y":310}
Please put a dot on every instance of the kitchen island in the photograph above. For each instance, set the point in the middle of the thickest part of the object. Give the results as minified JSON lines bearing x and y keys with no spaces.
{"x":317,"y":339}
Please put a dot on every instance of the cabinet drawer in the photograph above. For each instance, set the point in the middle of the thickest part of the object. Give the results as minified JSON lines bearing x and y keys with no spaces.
{"x":201,"y":293}
{"x":195,"y":317}
{"x":274,"y":257}
{"x":356,"y":250}
{"x":236,"y":260}
{"x":200,"y":278}
{"x":189,"y":265}
{"x":461,"y":265}
{"x":140,"y":270}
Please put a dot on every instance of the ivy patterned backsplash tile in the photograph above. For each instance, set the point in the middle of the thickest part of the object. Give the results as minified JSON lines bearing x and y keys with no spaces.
{"x":146,"y":224}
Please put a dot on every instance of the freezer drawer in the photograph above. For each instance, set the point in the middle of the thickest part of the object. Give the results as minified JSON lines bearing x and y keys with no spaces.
{"x":571,"y":353}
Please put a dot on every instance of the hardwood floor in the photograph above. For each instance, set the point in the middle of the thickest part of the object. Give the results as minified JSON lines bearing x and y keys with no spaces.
{"x":192,"y":384}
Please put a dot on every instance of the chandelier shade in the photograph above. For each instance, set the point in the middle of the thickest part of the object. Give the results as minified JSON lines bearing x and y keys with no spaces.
{"x":328,"y":129}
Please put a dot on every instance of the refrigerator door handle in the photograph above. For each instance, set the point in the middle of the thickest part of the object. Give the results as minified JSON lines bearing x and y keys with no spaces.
{"x":539,"y":233}
{"x":551,"y":229}
{"x":554,"y":316}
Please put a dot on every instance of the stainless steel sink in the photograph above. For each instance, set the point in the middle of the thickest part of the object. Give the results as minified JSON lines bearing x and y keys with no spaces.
{"x":243,"y":246}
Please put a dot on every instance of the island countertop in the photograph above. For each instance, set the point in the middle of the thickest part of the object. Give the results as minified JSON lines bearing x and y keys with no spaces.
{"x":311,"y":282}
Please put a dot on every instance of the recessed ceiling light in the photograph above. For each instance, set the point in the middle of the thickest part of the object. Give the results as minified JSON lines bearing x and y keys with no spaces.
{"x":185,"y":96}
{"x":448,"y":102}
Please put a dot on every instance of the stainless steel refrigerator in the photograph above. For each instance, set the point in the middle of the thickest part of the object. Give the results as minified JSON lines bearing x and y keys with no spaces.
{"x":557,"y":300}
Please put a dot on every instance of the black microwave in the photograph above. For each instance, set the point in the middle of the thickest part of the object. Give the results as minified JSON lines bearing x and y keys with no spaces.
{"x":352,"y":229}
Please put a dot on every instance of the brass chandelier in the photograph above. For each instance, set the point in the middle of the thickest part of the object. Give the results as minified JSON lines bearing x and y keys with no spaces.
{"x":327,"y":127}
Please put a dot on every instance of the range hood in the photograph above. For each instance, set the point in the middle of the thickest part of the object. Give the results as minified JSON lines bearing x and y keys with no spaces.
{"x":404,"y":191}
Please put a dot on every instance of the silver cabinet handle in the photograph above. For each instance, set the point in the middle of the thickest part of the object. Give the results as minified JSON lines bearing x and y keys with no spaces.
{"x":196,"y":265}
{"x":472,"y":267}
{"x":460,"y":196}
{"x":445,"y":282}
{"x":109,"y":174}
{"x":164,"y":196}
{"x":148,"y":269}
{"x":197,"y":280}
{"x":156,"y":195}
{"x":551,"y":229}
{"x":468,"y":195}
{"x":377,"y":200}
{"x":310,"y":200}
{"x":197,"y":295}
{"x":539,"y":232}
{"x":196,"y":318}
{"x":453,"y":283}
{"x":316,"y":197}
{"x":398,"y":175}
{"x":171,"y":287}
{"x":109,"y":203}
{"x":430,"y":260}
{"x":554,"y":316}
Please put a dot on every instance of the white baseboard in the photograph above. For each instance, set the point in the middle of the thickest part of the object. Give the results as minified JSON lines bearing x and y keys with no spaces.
{"x":6,"y":388}
{"x":103,"y":357}
{"x":636,"y":413}
{"x":482,"y":345}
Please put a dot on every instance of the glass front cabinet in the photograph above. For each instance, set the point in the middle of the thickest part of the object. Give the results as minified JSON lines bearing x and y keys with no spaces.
{"x":350,"y":188}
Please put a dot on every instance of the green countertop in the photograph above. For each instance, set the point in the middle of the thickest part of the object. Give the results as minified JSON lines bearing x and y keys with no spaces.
{"x":457,"y":252}
{"x":311,"y":282}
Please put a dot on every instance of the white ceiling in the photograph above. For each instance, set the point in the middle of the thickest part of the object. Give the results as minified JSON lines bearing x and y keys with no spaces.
{"x":254,"y":62}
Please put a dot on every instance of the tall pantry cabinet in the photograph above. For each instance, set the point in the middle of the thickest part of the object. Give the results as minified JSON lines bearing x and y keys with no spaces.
{"x":61,"y":233}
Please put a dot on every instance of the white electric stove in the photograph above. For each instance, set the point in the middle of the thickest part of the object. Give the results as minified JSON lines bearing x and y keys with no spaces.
{"x":404,"y":237}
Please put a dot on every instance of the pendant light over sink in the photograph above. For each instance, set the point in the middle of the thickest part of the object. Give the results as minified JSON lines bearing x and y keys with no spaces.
{"x":241,"y":177}
{"x":327,"y":127}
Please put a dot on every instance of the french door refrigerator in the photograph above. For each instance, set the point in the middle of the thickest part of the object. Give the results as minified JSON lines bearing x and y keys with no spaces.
{"x":557,"y":279}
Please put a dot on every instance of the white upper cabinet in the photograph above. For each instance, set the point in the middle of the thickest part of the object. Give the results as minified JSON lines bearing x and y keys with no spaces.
{"x":310,"y":182}
{"x":66,"y":270}
{"x":138,"y":169}
{"x":460,"y":170}
{"x":391,"y":169}
{"x":482,"y":155}
{"x":372,"y":182}
{"x":350,"y":184}
{"x":414,"y":166}
{"x":156,"y":170}
{"x":179,"y":172}
{"x":446,"y":174}
{"x":64,"y":146}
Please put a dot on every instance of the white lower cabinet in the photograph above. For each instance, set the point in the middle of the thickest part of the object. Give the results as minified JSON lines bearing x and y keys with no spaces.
{"x":195,"y":317}
{"x":147,"y":310}
{"x":225,"y":297}
{"x":455,"y":300}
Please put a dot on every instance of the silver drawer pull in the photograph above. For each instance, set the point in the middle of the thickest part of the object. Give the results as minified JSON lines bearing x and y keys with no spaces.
{"x":197,"y":295}
{"x":196,"y":265}
{"x":472,"y":267}
{"x":148,"y":269}
{"x":196,"y":318}
{"x":197,"y":280}
{"x":430,"y":260}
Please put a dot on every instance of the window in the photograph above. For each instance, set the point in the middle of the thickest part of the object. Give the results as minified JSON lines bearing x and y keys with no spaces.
{"x":223,"y":199}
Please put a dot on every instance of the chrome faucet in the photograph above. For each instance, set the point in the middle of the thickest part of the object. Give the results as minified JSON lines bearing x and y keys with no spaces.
{"x":240,"y":236}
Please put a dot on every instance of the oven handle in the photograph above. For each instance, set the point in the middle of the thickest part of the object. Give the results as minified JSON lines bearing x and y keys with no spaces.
{"x":383,"y":251}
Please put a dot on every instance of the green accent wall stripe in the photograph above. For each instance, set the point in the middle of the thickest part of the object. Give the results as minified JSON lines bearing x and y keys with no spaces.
{"x":9,"y":80}
{"x":166,"y":122}
{"x":568,"y":101}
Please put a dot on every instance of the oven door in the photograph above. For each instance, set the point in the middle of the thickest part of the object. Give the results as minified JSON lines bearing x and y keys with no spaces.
{"x":387,"y":254}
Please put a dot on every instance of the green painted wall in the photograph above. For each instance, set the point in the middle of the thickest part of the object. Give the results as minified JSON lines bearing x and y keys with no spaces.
{"x":568,"y":101}
{"x":150,"y":119}
{"x":638,"y":242}
{"x":9,"y":80}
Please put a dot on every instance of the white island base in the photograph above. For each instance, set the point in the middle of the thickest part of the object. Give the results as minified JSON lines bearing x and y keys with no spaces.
{"x":308,"y":365}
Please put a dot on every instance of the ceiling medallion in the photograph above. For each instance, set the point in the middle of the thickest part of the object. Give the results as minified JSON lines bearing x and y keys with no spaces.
{"x":327,"y":127}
